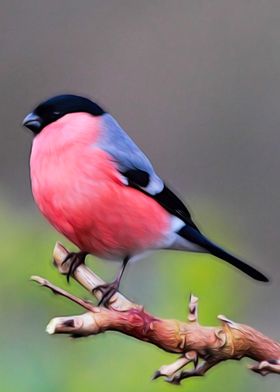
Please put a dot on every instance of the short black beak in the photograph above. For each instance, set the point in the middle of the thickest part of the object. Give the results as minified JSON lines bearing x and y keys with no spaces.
{"x":33,"y":122}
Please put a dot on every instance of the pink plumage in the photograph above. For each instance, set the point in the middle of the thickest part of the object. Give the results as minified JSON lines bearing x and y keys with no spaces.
{"x":96,"y":186}
{"x":80,"y":191}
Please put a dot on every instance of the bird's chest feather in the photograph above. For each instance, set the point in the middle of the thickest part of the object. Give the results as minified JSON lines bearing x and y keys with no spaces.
{"x":80,"y":191}
{"x":70,"y":185}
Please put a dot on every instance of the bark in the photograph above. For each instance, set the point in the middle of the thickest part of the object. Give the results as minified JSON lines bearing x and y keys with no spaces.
{"x":204,"y":346}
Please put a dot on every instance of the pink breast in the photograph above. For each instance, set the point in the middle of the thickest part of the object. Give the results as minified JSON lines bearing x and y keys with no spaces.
{"x":78,"y":189}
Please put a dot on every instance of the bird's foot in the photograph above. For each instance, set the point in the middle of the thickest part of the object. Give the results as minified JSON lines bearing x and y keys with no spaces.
{"x":107,"y":290}
{"x":77,"y":258}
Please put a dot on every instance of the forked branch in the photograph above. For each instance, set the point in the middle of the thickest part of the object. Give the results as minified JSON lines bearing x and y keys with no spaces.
{"x":202,"y":346}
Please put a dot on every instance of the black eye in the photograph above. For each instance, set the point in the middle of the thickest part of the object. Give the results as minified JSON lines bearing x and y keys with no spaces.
{"x":56,"y":114}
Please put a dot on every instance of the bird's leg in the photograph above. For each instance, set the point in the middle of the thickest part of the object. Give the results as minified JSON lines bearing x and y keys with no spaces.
{"x":109,"y":289}
{"x":77,"y":258}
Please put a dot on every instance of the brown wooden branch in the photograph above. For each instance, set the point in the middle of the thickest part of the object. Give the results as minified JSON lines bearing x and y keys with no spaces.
{"x":203,"y":346}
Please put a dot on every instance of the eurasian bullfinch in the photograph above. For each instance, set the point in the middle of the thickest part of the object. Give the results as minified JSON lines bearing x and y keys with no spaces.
{"x":95,"y":186}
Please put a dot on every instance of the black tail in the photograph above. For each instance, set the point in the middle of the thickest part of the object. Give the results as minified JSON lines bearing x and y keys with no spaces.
{"x":195,"y":236}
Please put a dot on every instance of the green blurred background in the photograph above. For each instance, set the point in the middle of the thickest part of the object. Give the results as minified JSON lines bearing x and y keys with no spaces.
{"x":197,"y":84}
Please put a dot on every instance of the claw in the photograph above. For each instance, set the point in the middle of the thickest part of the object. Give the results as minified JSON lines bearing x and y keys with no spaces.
{"x":108,"y":290}
{"x":77,"y":258}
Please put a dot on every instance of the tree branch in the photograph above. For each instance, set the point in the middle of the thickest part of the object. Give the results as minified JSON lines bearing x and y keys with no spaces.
{"x":203,"y":346}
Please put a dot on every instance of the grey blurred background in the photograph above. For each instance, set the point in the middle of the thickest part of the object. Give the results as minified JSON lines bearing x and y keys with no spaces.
{"x":195,"y":83}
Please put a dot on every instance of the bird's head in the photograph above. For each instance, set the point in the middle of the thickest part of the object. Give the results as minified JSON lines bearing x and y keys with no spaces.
{"x":55,"y":108}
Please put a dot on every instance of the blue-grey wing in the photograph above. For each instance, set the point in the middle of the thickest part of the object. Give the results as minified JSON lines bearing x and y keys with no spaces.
{"x":131,"y":161}
{"x":137,"y":169}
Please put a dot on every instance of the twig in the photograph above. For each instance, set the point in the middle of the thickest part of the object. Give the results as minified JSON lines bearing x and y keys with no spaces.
{"x":88,"y":279}
{"x":63,"y":293}
{"x":194,"y":343}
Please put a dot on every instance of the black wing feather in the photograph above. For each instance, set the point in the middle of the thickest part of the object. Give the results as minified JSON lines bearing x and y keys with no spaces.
{"x":167,"y":199}
{"x":139,"y":179}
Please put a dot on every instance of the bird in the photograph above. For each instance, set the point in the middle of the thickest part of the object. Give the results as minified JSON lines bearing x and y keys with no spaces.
{"x":98,"y":188}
